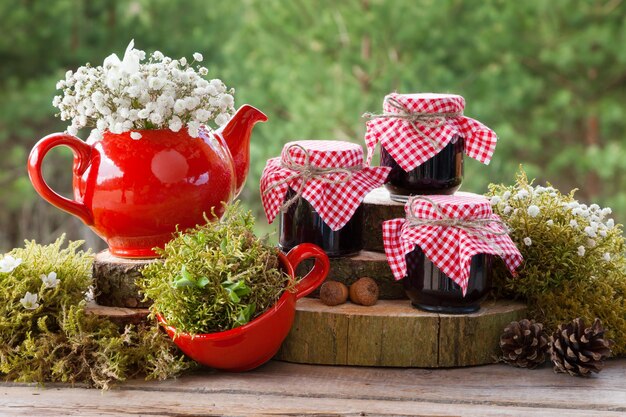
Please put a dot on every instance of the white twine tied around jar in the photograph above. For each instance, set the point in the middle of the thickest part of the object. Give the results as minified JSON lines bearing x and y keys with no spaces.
{"x":431,"y":120}
{"x":477,"y":228}
{"x":306,"y":172}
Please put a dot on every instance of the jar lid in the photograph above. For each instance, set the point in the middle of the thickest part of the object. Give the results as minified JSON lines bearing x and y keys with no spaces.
{"x":323,"y":153}
{"x":328,"y":174}
{"x":450,"y":230}
{"x":415,"y":127}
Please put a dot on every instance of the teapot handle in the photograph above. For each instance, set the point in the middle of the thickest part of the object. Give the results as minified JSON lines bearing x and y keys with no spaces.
{"x":82,"y":156}
{"x":317,"y":275}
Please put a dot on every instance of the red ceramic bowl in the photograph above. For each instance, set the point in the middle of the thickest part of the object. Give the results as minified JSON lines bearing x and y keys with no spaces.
{"x":251,"y":345}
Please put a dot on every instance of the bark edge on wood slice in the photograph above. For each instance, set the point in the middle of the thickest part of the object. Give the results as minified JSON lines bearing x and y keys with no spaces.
{"x":119,"y":315}
{"x":364,"y":264}
{"x":394,"y":333}
{"x":378,"y":207}
{"x":114,"y":280}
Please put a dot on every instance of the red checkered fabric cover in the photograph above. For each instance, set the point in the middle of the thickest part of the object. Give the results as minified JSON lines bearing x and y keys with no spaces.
{"x":450,"y":247}
{"x":410,"y":148}
{"x":335,"y":202}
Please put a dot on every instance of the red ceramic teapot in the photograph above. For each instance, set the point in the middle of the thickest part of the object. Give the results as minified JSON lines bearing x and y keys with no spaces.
{"x":135,"y":193}
{"x":251,"y":345}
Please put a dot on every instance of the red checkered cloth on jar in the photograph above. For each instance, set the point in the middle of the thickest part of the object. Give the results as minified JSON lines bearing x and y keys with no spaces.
{"x":328,"y":174}
{"x":416,"y":127}
{"x":449,"y":230}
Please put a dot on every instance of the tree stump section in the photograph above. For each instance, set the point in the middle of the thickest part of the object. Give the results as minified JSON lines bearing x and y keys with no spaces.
{"x":393,"y":333}
{"x":364,"y":264}
{"x":378,"y":207}
{"x":119,"y":315}
{"x":114,"y":280}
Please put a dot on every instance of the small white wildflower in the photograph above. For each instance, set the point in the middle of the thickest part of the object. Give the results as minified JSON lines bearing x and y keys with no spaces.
{"x":495,"y":200}
{"x":602,"y":232}
{"x":606,"y":256}
{"x":9,"y":263}
{"x":521,"y":194}
{"x":175,"y":124}
{"x":157,"y":55}
{"x":507,"y":210}
{"x":581,"y":251}
{"x":506,"y":195}
{"x":590,"y":232}
{"x":135,"y":135}
{"x":533,"y":211}
{"x":610,"y":223}
{"x":527,"y":241}
{"x":50,"y":280}
{"x":606,"y":211}
{"x":573,"y":224}
{"x":591,"y":243}
{"x":197,"y":56}
{"x":203,"y":71}
{"x":29,"y":301}
{"x":550,"y":222}
{"x":594,"y":207}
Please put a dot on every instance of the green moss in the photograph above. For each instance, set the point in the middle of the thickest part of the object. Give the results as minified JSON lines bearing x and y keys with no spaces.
{"x":574,"y":257}
{"x":215,"y":277}
{"x":58,"y":341}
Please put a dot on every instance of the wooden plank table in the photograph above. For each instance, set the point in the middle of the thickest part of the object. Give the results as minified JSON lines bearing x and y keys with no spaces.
{"x":280,"y":388}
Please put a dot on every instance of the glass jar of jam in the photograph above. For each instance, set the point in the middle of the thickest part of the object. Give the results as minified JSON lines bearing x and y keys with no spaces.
{"x":441,"y":174}
{"x":444,"y":250}
{"x":316,"y":189}
{"x":430,"y":289}
{"x":302,"y":224}
{"x":423,"y":139}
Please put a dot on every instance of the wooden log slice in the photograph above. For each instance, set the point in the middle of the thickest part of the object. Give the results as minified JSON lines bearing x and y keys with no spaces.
{"x":119,"y":315}
{"x":393,"y":333}
{"x":378,"y":207}
{"x":114,"y":280}
{"x":364,"y":264}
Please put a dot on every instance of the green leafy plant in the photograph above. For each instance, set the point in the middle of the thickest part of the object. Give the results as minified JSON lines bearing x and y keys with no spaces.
{"x":215,"y":277}
{"x":574,"y":260}
{"x":47,"y":335}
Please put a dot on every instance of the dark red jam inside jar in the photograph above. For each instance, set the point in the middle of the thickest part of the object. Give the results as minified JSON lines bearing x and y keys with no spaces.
{"x":441,"y":174}
{"x":431,"y":290}
{"x":302,"y":224}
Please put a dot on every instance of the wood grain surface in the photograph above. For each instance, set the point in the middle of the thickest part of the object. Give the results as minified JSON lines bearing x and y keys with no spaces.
{"x":280,"y":388}
{"x":114,"y":280}
{"x":393,"y":333}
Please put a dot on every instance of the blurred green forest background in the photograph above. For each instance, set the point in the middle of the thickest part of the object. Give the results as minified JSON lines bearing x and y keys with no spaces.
{"x":548,"y":76}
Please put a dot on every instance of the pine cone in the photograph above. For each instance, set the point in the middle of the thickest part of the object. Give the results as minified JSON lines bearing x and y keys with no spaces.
{"x":524,"y":344}
{"x":579,"y":350}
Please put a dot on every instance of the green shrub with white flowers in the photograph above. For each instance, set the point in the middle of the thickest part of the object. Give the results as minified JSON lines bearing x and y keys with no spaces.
{"x":574,"y":257}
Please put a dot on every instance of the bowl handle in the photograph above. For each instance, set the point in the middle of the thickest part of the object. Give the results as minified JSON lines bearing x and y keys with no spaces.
{"x":317,"y":275}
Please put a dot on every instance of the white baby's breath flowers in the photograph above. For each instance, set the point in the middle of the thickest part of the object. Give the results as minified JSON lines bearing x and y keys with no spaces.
{"x":135,"y":135}
{"x":550,"y":222}
{"x":29,"y":301}
{"x":507,"y":210}
{"x":134,"y":94}
{"x":528,"y":241}
{"x":606,"y":257}
{"x":573,"y":224}
{"x":521,"y":194}
{"x":50,"y":280}
{"x":495,"y":200}
{"x":533,"y":210}
{"x":581,"y":251}
{"x":8,"y":264}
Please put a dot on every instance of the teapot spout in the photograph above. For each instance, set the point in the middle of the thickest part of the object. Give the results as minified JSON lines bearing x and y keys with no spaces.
{"x":236,"y":134}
